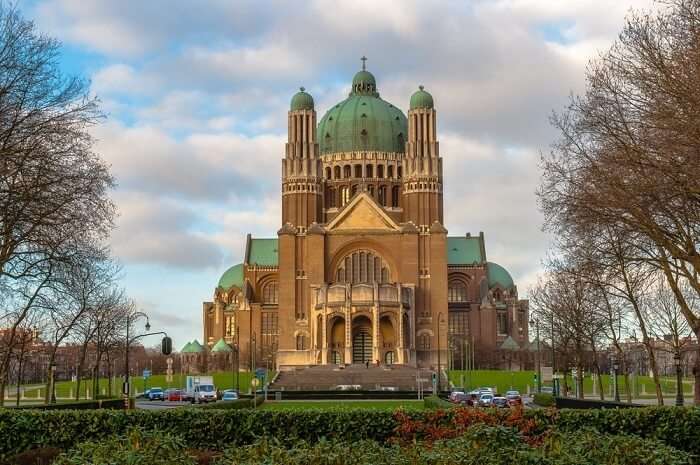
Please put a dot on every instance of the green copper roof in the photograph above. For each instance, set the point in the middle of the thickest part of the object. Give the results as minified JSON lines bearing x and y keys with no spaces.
{"x":195,"y":346}
{"x":510,"y":344}
{"x":363,"y":122}
{"x":232,"y":277}
{"x":464,"y":250}
{"x":221,"y":346}
{"x":186,"y":348}
{"x":498,"y":275}
{"x":263,"y":252}
{"x":302,"y":101}
{"x":421,"y":99}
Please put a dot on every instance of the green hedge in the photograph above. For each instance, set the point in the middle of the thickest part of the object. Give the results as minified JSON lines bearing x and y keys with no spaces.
{"x":243,"y":403}
{"x":21,"y":430}
{"x":543,"y":399}
{"x":435,"y":402}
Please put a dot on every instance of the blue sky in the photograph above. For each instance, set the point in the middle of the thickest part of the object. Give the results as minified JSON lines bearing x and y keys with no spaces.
{"x":197,"y":94}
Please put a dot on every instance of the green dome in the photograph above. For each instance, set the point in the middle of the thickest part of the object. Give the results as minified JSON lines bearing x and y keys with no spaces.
{"x":187,"y":348}
{"x":421,"y":99}
{"x":499,"y":275}
{"x":363,"y":122}
{"x":196,"y":347}
{"x":221,"y":346}
{"x":302,"y":101}
{"x":232,"y":277}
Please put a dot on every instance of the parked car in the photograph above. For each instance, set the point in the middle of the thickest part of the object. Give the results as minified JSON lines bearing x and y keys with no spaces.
{"x":514,"y":400}
{"x":454,"y":395}
{"x":155,"y":393}
{"x":500,"y":402}
{"x":229,"y":395}
{"x":174,"y":395}
{"x":485,"y":400}
{"x":486,"y":390}
{"x":512,"y":393}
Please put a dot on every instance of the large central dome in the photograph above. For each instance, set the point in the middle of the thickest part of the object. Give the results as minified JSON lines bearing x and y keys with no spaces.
{"x":363,"y":121}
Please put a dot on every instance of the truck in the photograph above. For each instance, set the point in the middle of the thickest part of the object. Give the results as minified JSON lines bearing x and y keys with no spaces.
{"x":199,"y":389}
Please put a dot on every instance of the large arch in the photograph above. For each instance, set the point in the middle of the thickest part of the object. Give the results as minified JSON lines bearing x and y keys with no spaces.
{"x":336,"y":339}
{"x":367,"y":245}
{"x":389,"y":341}
{"x":361,"y":339}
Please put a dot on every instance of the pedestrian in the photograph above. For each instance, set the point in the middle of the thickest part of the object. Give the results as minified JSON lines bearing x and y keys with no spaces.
{"x":367,"y":364}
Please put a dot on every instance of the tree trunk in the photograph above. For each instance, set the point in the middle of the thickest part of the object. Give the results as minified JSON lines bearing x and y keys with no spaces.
{"x":696,"y":376}
{"x":654,"y":371}
{"x":49,"y":395}
{"x":625,"y":371}
{"x":20,"y":367}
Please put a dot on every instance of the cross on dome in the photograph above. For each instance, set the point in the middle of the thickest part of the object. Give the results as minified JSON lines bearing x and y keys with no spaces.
{"x":364,"y":62}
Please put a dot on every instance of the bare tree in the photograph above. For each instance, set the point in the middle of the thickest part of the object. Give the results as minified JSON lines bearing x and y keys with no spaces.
{"x":628,"y":154}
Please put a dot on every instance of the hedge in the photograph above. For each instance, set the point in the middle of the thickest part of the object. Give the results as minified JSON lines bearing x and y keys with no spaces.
{"x":435,"y":402}
{"x":543,"y":399}
{"x":21,"y":430}
{"x":242,"y":403}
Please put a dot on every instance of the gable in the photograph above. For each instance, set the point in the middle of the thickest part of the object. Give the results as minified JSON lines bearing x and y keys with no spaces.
{"x":362,"y":213}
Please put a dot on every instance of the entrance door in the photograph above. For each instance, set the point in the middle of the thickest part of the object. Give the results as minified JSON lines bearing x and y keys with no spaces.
{"x":362,"y":345}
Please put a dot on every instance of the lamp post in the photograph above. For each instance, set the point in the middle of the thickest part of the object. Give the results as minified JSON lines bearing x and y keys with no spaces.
{"x":130,"y":318}
{"x":439,"y":362}
{"x":615,"y":365}
{"x":536,"y":323}
{"x":679,"y":379}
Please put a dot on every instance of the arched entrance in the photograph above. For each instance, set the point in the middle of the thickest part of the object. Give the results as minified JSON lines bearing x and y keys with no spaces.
{"x":361,"y":340}
{"x":337,"y":340}
{"x":389,"y":358}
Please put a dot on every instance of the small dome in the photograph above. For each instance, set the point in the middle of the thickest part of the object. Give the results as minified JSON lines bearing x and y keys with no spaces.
{"x":499,"y":276}
{"x":221,"y":346}
{"x":364,"y":84}
{"x":232,"y":277}
{"x":421,"y":99}
{"x":302,"y":101}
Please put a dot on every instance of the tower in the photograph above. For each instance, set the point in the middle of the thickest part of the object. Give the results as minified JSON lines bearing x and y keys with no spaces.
{"x":302,"y":192}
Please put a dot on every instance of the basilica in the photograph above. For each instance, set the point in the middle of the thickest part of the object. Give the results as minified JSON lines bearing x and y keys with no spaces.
{"x":362,"y":268}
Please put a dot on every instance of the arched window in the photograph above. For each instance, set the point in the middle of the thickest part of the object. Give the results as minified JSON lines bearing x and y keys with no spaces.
{"x":344,"y":195}
{"x":270,"y":293}
{"x":424,"y":341}
{"x":328,"y":172}
{"x":398,"y":172}
{"x":362,"y":266}
{"x":347,"y":171}
{"x":390,"y":171}
{"x":497,"y":296}
{"x":382,"y":196}
{"x":336,"y":172}
{"x":395,"y":196}
{"x":301,"y":342}
{"x":380,"y":171}
{"x":456,"y":292}
{"x":369,"y":171}
{"x":358,"y":171}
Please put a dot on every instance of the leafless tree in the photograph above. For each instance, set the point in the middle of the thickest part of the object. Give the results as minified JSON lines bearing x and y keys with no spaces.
{"x":628,"y":157}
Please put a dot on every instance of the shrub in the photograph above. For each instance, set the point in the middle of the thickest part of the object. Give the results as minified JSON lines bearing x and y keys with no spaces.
{"x":235,"y":404}
{"x":435,"y":402}
{"x":135,"y":448}
{"x":543,"y":399}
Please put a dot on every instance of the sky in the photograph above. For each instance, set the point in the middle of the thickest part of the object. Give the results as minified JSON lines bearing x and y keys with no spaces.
{"x":197,"y":93}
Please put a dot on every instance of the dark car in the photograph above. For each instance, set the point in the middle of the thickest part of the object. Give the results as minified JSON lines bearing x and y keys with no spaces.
{"x":500,"y":402}
{"x":514,"y":400}
{"x":460,"y":398}
{"x":156,"y":393}
{"x":174,"y":395}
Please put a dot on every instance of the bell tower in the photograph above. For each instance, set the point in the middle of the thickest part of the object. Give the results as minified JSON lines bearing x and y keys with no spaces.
{"x":422,"y":187}
{"x":302,"y":190}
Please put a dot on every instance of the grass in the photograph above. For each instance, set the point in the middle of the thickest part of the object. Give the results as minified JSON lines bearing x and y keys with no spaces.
{"x":521,"y":380}
{"x":222,"y":380}
{"x":390,"y":405}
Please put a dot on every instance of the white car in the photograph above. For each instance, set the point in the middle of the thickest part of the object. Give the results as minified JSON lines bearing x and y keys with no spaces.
{"x":486,"y":400}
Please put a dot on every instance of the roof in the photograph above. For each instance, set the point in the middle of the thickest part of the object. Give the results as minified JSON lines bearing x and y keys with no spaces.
{"x":465,"y":250}
{"x":301,"y":101}
{"x":363,"y":122}
{"x":186,"y":348}
{"x":232,"y":277}
{"x":221,"y":346}
{"x":262,"y":252}
{"x":421,"y":99}
{"x":509,"y":344}
{"x":499,"y":276}
{"x":195,"y":346}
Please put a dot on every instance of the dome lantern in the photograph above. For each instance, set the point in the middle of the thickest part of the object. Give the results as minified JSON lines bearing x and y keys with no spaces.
{"x":302,"y":101}
{"x":421,"y":99}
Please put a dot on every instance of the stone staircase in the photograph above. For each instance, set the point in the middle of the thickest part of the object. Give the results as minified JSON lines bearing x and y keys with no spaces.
{"x":352,"y":377}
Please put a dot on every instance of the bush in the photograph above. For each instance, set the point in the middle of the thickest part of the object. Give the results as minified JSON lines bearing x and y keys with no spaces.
{"x":235,"y":404}
{"x":135,"y":448}
{"x":435,"y":402}
{"x":543,"y":399}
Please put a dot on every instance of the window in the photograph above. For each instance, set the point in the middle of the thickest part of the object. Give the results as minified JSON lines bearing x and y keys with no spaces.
{"x":395,"y":196}
{"x":330,"y":198}
{"x":358,"y":171}
{"x":390,"y":171}
{"x":347,"y":171}
{"x":328,"y":173}
{"x":336,"y":172}
{"x":502,"y":323}
{"x":380,"y":171}
{"x":398,"y":172}
{"x":382,"y":196}
{"x":353,"y":191}
{"x":362,"y":266}
{"x":369,"y":171}
{"x":344,"y":195}
{"x":457,"y":292}
{"x":270,"y":293}
{"x":497,"y":295}
{"x":301,"y":342}
{"x":229,"y":327}
{"x":522,"y":322}
{"x":424,"y":342}
{"x":458,"y":324}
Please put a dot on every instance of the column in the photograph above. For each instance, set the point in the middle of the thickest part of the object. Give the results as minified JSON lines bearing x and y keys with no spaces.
{"x":375,"y":325}
{"x":324,"y":336}
{"x":348,"y":327}
{"x":400,"y":355}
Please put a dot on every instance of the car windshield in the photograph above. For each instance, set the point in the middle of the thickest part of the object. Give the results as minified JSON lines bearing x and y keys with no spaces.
{"x":206,"y":388}
{"x":156,"y":390}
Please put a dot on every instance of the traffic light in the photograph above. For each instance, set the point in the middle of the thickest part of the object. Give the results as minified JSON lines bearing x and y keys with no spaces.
{"x":166,"y":346}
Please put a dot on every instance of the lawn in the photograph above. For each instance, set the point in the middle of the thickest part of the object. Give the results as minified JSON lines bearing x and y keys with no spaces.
{"x":390,"y":405}
{"x":521,"y":380}
{"x":222,"y":380}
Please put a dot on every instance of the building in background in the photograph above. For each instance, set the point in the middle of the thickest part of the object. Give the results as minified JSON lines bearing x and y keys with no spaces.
{"x":362,"y":268}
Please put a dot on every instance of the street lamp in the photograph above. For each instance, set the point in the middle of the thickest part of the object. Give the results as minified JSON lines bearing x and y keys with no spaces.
{"x":679,"y":379}
{"x":536,"y":323}
{"x":440,"y":320}
{"x":615,"y":365}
